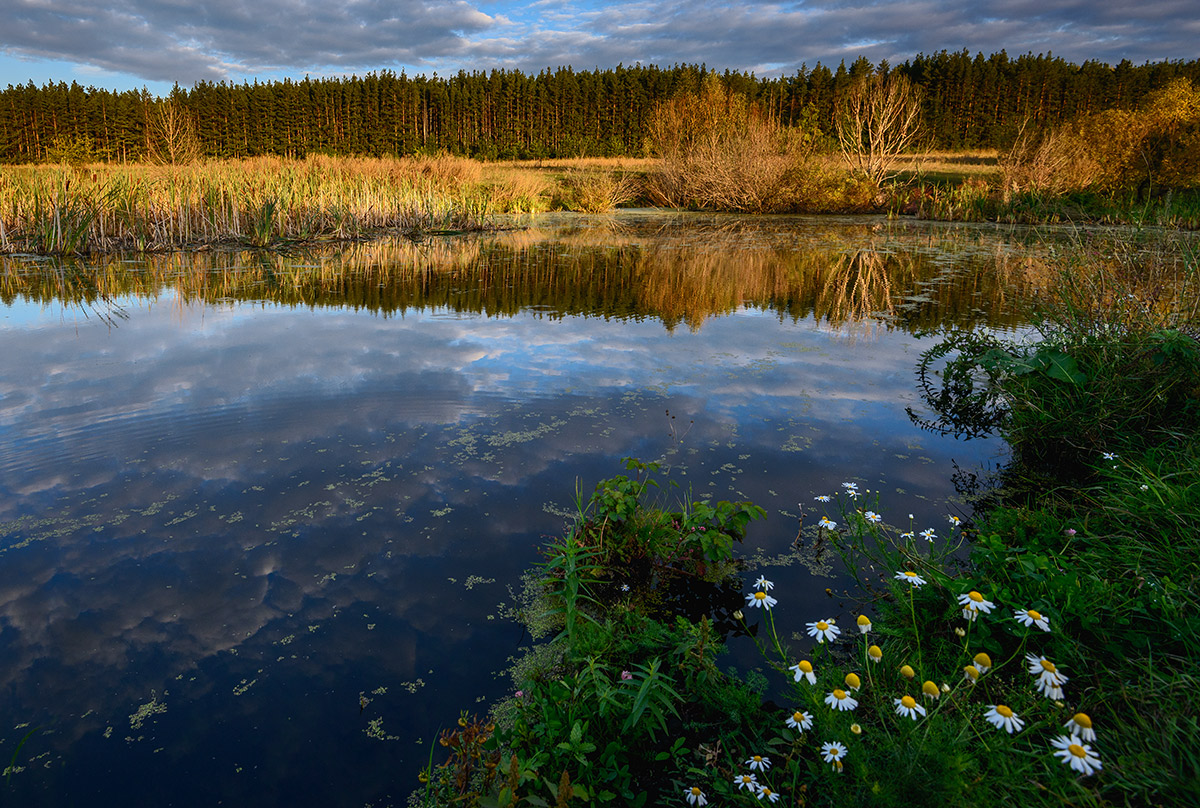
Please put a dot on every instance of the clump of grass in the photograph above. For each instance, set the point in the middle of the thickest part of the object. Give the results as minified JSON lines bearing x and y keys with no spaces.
{"x":598,"y":191}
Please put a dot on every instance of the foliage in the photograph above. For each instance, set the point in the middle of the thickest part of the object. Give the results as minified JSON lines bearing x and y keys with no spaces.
{"x":1117,"y":358}
{"x":636,"y":687}
{"x":721,"y":152}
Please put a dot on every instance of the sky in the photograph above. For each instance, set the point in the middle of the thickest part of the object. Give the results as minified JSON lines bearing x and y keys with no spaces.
{"x":130,"y":44}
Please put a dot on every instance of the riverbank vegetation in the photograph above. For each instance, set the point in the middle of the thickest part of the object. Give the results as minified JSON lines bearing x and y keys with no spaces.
{"x":1041,"y":649}
{"x":709,"y":149}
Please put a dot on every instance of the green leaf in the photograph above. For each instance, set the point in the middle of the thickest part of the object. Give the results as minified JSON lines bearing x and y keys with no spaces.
{"x":1062,"y":367}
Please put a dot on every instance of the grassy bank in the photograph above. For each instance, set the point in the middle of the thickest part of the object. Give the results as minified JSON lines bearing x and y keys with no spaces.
{"x":273,"y":202}
{"x":1043,"y":652}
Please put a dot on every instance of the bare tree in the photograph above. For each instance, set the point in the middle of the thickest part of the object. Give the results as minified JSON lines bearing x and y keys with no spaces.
{"x":170,"y":134}
{"x":879,"y":120}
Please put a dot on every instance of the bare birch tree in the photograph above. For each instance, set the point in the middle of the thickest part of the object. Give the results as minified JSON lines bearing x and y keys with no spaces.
{"x":171,"y":135}
{"x":879,"y":120}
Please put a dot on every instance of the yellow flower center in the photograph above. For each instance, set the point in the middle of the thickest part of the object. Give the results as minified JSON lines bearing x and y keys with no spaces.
{"x":930,"y":688}
{"x":975,"y":596}
{"x":1077,"y":750}
{"x":766,"y":792}
{"x":984,"y":660}
{"x":875,"y":652}
{"x":822,"y":625}
{"x":972,"y":671}
{"x":853,"y":680}
{"x":760,"y":595}
{"x":798,"y":718}
{"x":806,"y":666}
{"x":1004,"y":711}
{"x":757,"y":758}
{"x":839,"y":694}
{"x":1048,"y":666}
{"x":1034,"y":614}
{"x":908,"y":672}
{"x":909,"y":702}
{"x":856,"y":729}
{"x":911,"y":574}
{"x":863,"y":620}
{"x":1082,"y":720}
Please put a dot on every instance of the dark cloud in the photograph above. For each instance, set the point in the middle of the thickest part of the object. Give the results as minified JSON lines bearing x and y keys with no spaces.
{"x":163,"y":40}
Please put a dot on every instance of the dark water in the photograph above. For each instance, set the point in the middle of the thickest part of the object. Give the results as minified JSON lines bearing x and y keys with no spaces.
{"x":239,"y":491}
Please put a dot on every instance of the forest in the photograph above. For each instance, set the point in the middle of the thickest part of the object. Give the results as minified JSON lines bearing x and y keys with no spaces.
{"x":969,"y":103}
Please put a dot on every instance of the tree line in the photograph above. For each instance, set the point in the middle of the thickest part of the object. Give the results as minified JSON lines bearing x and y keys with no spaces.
{"x":968,"y":103}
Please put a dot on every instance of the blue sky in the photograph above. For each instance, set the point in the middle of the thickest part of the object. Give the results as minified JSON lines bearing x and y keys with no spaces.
{"x":126,"y":44}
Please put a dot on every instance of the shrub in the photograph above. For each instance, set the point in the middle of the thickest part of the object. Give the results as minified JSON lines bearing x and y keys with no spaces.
{"x":720,"y":152}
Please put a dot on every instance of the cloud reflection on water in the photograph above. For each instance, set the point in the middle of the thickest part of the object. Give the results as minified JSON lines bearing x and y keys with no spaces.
{"x":197,"y":496}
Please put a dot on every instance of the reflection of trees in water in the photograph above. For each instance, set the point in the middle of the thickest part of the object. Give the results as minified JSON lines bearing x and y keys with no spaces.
{"x":679,"y":271}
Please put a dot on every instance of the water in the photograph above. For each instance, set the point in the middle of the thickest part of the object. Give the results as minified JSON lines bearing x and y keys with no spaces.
{"x":239,"y":492}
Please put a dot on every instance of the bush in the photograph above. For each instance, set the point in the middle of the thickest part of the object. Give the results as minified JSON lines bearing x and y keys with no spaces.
{"x":720,"y":152}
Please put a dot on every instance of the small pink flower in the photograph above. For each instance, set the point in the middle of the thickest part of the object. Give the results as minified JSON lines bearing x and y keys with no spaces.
{"x":626,"y":676}
{"x":1070,"y":531}
{"x":520,"y":693}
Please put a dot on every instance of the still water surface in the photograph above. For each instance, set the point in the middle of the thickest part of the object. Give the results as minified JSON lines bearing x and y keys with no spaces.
{"x":239,"y":491}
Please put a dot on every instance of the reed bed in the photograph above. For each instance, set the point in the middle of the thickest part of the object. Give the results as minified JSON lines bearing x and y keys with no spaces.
{"x":263,"y":202}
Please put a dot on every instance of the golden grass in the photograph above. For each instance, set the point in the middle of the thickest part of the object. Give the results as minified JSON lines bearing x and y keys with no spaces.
{"x":271,"y":201}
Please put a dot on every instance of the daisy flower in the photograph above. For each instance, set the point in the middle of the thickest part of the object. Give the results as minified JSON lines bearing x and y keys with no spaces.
{"x":872,"y":517}
{"x":983,"y":662}
{"x":827,"y":523}
{"x":971,"y":674}
{"x":850,"y":486}
{"x":928,"y":534}
{"x":856,"y":729}
{"x":833,"y":752}
{"x":910,"y":578}
{"x":1080,"y":726}
{"x":1002,"y":717}
{"x":907,"y":672}
{"x":1110,"y":455}
{"x":875,"y":653}
{"x":1032,"y":617}
{"x":839,"y":699}
{"x":804,"y":670}
{"x":954,"y":520}
{"x":864,"y":623}
{"x":1079,"y":757}
{"x":930,"y":690}
{"x":760,"y":600}
{"x":765,"y":793}
{"x":746,"y":781}
{"x":1049,"y":679}
{"x":852,"y":681}
{"x":824,"y":630}
{"x":759,"y":762}
{"x":763,"y":584}
{"x":822,"y":498}
{"x":907,"y":706}
{"x":695,"y":796}
{"x":907,"y":535}
{"x":800,"y":720}
{"x":973,"y":603}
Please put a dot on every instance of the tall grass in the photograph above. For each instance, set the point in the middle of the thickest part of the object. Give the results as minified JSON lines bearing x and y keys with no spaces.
{"x":260,"y":202}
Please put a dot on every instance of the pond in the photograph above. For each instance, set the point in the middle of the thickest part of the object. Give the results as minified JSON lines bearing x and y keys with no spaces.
{"x":263,"y":515}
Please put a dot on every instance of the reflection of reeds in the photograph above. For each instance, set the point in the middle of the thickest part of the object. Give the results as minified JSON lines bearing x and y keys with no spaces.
{"x":265,"y":201}
{"x":680,"y":273}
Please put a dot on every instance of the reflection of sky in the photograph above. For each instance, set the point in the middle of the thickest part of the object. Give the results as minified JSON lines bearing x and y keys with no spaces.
{"x":255,"y":513}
